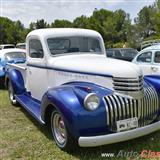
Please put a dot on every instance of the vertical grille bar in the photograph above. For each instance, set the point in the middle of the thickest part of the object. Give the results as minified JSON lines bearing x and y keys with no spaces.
{"x":123,"y":108}
{"x":135,"y":108}
{"x":107,"y":111}
{"x":131,"y":105}
{"x":152,"y":104}
{"x":110,"y":110}
{"x":114,"y":108}
{"x":119,"y":109}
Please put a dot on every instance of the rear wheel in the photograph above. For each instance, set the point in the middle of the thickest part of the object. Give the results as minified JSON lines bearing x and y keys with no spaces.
{"x":11,"y":94}
{"x":60,"y":133}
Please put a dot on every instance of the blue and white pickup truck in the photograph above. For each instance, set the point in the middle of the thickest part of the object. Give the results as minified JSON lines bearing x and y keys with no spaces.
{"x":10,"y":56}
{"x":87,"y":99}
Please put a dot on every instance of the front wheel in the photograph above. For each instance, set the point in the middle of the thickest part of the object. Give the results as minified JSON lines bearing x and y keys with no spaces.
{"x":60,"y":133}
{"x":11,"y":94}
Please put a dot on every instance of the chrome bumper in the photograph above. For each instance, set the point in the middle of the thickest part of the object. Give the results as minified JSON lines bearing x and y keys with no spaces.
{"x":118,"y":137}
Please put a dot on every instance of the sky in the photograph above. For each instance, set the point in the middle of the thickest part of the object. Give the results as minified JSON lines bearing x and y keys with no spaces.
{"x":28,"y":11}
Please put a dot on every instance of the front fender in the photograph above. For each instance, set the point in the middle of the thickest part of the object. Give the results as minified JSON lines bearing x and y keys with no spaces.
{"x":69,"y":99}
{"x":154,"y":80}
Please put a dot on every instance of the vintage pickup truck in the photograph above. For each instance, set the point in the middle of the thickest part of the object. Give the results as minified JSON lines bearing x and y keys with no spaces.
{"x":86,"y":99}
{"x":12,"y":55}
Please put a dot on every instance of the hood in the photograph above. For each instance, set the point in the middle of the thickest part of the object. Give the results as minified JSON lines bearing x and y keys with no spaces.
{"x":95,"y":64}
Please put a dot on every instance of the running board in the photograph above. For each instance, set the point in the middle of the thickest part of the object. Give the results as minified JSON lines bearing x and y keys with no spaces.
{"x":31,"y":105}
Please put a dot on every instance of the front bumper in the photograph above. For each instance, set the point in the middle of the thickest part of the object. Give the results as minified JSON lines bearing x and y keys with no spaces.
{"x":117,"y":137}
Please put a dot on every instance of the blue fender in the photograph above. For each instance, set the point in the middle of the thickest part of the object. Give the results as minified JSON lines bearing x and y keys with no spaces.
{"x":17,"y":81}
{"x":68,"y":99}
{"x":154,"y":80}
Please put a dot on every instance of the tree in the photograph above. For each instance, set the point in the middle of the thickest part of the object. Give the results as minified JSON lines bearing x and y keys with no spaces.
{"x":61,"y":24}
{"x":81,"y":22}
{"x":157,"y":18}
{"x":41,"y":24}
{"x":146,"y":21}
{"x":32,"y":26}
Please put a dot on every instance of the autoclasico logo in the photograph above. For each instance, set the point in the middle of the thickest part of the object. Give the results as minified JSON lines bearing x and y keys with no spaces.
{"x":148,"y":154}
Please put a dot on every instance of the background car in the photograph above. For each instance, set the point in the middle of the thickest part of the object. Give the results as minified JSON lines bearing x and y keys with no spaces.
{"x":10,"y":56}
{"x":21,"y":45}
{"x":149,"y":43}
{"x":5,"y":46}
{"x":149,"y":60}
{"x":126,"y":54}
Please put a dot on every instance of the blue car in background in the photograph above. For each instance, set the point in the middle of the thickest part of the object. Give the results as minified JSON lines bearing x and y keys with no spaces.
{"x":13,"y":55}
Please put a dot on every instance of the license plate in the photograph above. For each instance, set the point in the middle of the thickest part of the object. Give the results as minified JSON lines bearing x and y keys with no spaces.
{"x":127,"y":124}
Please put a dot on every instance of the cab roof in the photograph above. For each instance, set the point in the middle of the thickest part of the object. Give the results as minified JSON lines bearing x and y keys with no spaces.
{"x":62,"y":32}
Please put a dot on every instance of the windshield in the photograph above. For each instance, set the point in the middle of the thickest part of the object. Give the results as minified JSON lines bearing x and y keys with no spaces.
{"x":15,"y":55}
{"x":73,"y":44}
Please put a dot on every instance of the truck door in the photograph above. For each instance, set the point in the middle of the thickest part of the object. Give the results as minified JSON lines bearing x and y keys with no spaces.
{"x":36,"y":71}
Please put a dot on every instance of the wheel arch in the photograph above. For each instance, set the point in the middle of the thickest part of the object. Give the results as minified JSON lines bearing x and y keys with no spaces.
{"x":17,"y":81}
{"x":47,"y":113}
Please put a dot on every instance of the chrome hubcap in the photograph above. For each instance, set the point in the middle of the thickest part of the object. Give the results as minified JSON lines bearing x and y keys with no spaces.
{"x":59,"y":129}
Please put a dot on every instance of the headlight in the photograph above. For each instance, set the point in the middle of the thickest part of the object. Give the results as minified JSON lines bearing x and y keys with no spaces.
{"x":91,"y":102}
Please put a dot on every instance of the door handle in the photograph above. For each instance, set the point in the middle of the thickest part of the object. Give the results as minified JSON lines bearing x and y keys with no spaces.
{"x":154,"y":69}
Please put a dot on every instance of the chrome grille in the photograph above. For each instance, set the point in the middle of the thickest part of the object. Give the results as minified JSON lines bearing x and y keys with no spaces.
{"x":119,"y":107}
{"x":129,"y":86}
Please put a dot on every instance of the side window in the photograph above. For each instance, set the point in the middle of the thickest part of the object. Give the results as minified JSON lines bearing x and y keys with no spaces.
{"x":145,"y":57}
{"x":157,"y":57}
{"x":35,"y":49}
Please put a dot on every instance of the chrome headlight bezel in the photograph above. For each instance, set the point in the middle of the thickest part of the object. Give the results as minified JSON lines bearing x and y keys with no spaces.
{"x":91,"y":102}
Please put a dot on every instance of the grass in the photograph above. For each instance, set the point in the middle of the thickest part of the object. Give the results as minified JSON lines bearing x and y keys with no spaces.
{"x":21,"y":137}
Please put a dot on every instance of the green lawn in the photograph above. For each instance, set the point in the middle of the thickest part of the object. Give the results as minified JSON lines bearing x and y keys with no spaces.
{"x":21,"y":137}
